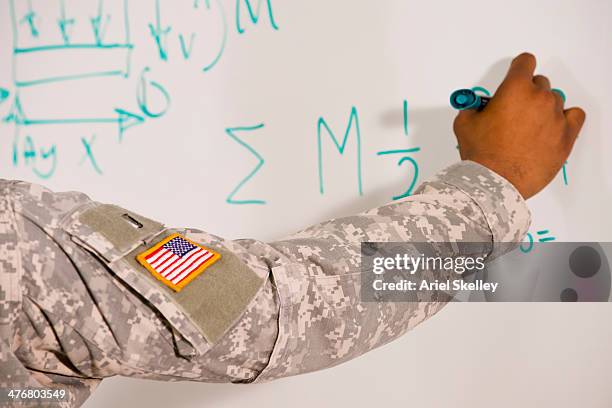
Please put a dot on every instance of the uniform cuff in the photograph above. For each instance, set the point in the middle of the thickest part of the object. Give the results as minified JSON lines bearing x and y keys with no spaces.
{"x":504,"y":208}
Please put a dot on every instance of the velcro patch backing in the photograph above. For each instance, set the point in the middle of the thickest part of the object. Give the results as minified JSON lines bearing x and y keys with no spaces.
{"x":216,"y":299}
{"x":213,"y":301}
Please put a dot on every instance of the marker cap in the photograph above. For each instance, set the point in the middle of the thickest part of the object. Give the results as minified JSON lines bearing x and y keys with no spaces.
{"x":463,"y":99}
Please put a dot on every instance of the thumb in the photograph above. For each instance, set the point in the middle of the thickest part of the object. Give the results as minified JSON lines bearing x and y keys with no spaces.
{"x":575,"y":119}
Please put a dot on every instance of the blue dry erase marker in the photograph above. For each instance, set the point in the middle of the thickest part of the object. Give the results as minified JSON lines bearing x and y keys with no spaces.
{"x":463,"y":99}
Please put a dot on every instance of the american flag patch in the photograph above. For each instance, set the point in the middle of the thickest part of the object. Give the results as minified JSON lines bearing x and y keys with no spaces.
{"x":177,"y":260}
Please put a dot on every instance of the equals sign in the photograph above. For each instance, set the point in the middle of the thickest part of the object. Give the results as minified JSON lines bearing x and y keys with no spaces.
{"x":545,"y":238}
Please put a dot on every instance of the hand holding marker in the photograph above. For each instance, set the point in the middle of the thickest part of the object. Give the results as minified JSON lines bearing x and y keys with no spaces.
{"x":525,"y":134}
{"x":463,"y":99}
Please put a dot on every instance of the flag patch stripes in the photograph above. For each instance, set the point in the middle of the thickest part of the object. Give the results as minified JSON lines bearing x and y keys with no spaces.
{"x":177,"y":260}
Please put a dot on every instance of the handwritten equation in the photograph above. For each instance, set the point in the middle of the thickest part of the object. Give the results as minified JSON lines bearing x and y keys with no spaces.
{"x":83,"y":42}
{"x":92,"y":40}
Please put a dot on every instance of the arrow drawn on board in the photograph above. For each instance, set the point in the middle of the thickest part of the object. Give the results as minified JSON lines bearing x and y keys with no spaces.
{"x":65,"y":23}
{"x":123,"y":118}
{"x":30,"y":19}
{"x":15,"y":113}
{"x":4,"y":94}
{"x":98,"y":26}
{"x":159,"y":33}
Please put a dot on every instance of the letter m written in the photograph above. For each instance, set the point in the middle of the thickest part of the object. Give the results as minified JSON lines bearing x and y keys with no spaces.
{"x":254,"y":13}
{"x":322,"y":124}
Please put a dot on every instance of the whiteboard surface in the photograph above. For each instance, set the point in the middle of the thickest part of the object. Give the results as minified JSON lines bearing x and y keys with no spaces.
{"x":216,"y":128}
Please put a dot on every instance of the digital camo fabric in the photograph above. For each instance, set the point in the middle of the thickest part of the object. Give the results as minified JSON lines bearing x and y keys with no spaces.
{"x":74,"y":309}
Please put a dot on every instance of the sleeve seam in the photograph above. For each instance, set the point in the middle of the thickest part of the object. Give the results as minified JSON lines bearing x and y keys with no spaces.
{"x":18,"y":241}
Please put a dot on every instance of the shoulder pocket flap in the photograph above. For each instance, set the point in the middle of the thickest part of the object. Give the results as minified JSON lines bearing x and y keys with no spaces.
{"x":109,"y":230}
{"x":114,"y":234}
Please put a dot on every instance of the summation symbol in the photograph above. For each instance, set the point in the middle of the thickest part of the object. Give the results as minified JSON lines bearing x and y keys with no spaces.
{"x":231,"y":132}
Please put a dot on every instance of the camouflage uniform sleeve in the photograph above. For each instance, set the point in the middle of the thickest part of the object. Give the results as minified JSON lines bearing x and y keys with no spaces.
{"x":87,"y":310}
{"x":317,"y":271}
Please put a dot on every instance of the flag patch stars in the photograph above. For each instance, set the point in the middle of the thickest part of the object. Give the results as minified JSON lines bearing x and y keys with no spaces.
{"x":176,"y":260}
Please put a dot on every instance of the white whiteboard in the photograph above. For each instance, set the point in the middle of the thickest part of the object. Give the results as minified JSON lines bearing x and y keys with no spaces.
{"x":220,"y":111}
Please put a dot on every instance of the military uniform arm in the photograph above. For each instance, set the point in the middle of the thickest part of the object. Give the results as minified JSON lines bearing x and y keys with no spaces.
{"x":83,"y":308}
{"x":317,"y":271}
